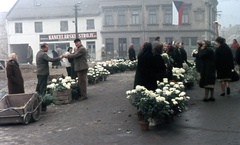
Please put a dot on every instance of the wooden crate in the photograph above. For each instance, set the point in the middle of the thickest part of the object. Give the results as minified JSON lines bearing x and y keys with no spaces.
{"x":63,"y":97}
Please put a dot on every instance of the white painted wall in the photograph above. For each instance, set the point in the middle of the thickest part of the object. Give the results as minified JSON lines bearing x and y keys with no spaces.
{"x":52,"y":26}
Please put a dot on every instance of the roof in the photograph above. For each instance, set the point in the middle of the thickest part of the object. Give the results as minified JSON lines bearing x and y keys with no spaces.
{"x":44,"y":9}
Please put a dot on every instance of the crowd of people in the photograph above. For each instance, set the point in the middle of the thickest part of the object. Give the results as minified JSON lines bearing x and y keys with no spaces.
{"x":211,"y":63}
{"x":214,"y":61}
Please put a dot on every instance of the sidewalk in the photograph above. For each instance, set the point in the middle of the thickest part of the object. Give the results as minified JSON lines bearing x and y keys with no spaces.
{"x":107,"y":118}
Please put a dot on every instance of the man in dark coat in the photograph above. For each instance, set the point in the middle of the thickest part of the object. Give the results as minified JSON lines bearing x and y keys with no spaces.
{"x":80,"y":66}
{"x":42,"y":60}
{"x":131,"y":52}
{"x":14,"y":75}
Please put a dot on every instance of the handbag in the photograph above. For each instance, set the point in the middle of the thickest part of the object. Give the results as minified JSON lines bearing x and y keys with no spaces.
{"x":234,"y":76}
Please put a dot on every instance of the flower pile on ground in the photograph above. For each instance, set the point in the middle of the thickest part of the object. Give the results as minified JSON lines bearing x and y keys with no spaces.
{"x":97,"y":73}
{"x":168,"y":100}
{"x":118,"y":65}
{"x":178,"y":74}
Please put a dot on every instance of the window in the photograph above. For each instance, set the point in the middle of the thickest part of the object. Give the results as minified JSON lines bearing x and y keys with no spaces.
{"x":64,"y":26}
{"x":136,"y":44}
{"x":91,"y":49}
{"x":135,"y":17}
{"x":108,"y":18}
{"x":122,"y":47}
{"x":199,"y":15}
{"x":185,"y":16}
{"x":168,"y":16}
{"x":169,"y":39}
{"x":38,"y":27}
{"x":18,"y":28}
{"x":152,"y":18}
{"x":109,"y":47}
{"x":90,"y":24}
{"x":121,"y":17}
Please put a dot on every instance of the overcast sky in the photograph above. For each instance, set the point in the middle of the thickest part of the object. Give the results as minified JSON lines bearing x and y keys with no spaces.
{"x":228,"y":11}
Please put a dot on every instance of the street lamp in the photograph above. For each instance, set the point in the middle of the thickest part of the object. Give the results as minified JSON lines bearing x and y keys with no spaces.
{"x":76,"y":18}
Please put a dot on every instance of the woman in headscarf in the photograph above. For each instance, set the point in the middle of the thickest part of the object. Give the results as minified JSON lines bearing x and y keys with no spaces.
{"x":14,"y":76}
{"x":224,"y":64}
{"x":207,"y":70}
{"x":146,"y":73}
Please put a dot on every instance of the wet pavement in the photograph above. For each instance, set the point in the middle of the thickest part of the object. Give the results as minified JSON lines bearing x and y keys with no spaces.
{"x":107,"y":118}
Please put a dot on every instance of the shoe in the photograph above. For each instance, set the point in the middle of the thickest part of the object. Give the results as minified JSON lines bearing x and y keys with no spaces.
{"x":228,"y":90}
{"x":223,"y":94}
{"x":205,"y":100}
{"x":82,"y":98}
{"x":211,"y":99}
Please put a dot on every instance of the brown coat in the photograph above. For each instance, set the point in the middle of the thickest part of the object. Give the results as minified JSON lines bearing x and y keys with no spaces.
{"x":15,"y":79}
{"x":80,"y":59}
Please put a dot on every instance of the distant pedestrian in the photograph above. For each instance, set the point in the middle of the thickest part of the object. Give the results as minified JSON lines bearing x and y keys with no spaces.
{"x":66,"y":61}
{"x":14,"y":75}
{"x":42,"y":60}
{"x":156,"y":41}
{"x":207,"y":72}
{"x":80,"y":66}
{"x":234,"y":48}
{"x":178,"y":56}
{"x":131,"y":53}
{"x":29,"y":55}
{"x":224,"y":64}
{"x":55,"y":63}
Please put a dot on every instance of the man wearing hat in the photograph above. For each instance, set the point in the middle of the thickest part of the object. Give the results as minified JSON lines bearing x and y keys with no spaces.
{"x":80,"y":66}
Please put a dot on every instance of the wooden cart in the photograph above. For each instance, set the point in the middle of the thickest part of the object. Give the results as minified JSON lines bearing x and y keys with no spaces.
{"x":20,"y":108}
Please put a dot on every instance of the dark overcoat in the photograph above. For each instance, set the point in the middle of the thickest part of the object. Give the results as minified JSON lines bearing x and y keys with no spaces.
{"x":145,"y":73}
{"x":15,"y":79}
{"x":208,"y":70}
{"x":224,"y":61}
{"x":131,"y":53}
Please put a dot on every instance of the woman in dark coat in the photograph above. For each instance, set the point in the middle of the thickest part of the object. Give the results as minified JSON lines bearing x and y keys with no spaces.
{"x":207,"y":72}
{"x":224,"y":64}
{"x":14,"y":75}
{"x":159,"y":66}
{"x":145,"y":73}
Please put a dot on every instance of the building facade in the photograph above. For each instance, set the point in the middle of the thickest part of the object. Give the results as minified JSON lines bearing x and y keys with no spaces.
{"x":34,"y":23}
{"x":137,"y":21}
{"x":107,"y":27}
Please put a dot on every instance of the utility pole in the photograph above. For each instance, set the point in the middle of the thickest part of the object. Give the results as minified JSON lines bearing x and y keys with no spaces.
{"x":76,"y":22}
{"x":76,"y":18}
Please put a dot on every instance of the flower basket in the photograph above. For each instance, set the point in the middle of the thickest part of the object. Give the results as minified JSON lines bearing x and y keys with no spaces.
{"x":63,"y":97}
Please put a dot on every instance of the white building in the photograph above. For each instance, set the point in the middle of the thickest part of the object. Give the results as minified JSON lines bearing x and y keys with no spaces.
{"x":32,"y":23}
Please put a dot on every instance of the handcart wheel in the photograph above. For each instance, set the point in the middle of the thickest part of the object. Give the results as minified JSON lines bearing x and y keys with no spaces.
{"x":36,"y":114}
{"x":26,"y":118}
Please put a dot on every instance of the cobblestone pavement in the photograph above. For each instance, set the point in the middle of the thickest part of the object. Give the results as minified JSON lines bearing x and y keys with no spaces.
{"x":107,"y":118}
